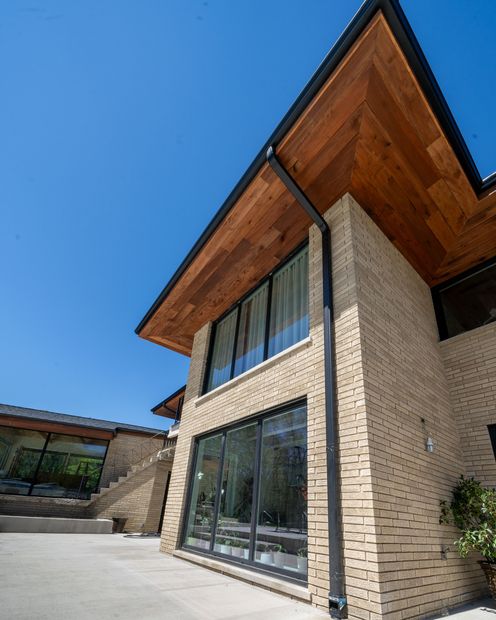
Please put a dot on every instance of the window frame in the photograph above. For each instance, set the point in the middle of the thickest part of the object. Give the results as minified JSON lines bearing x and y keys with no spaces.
{"x":439,"y":288}
{"x":44,"y":450}
{"x":252,"y":565}
{"x":236,"y":307}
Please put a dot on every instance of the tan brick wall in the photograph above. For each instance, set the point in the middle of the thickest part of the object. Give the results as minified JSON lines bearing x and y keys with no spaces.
{"x":42,"y":506}
{"x":405,"y":383}
{"x":297,"y":374}
{"x":470,"y":364}
{"x":390,"y":375}
{"x":139,"y":499}
{"x":125,"y":450}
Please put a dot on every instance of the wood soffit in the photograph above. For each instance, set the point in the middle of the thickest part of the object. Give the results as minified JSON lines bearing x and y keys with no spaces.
{"x":369,"y":131}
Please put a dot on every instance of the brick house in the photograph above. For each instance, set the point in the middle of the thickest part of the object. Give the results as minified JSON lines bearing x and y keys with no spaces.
{"x":60,"y":465}
{"x":339,"y":312}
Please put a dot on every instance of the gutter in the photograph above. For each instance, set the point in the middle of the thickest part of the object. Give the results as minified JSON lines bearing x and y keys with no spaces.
{"x":337,"y":598}
{"x":404,"y":34}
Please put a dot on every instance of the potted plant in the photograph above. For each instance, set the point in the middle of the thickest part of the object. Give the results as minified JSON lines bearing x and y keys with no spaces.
{"x":473,"y":510}
{"x":237,"y":547}
{"x":302,"y":559}
{"x":225,"y":546}
{"x":279,"y":555}
{"x":265,"y":553}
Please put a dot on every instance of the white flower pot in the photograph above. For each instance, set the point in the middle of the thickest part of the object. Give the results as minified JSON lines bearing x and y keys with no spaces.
{"x":246,"y":554}
{"x":225,"y":549}
{"x":237,"y":552}
{"x":266,"y":557}
{"x":191,"y":540}
{"x":302,"y":565}
{"x":279,"y":558}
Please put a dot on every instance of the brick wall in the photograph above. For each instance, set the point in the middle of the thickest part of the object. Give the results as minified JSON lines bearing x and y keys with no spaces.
{"x":390,"y":377}
{"x":139,"y":499}
{"x":470,"y":363}
{"x":124,"y":451}
{"x":406,"y":400}
{"x":42,"y":506}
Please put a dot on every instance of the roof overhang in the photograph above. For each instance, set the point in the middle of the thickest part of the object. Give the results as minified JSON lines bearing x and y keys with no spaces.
{"x":372,"y":122}
{"x":168,"y":407}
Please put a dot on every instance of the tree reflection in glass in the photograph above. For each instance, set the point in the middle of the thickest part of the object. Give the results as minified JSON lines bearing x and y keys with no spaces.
{"x":233,"y":528}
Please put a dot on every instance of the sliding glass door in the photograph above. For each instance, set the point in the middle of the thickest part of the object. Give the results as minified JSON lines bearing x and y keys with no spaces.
{"x":248,"y":494}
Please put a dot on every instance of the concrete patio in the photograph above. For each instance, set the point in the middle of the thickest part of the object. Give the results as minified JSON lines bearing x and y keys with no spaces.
{"x":99,"y":577}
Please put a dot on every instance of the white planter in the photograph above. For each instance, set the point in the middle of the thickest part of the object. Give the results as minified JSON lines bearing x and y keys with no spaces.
{"x":302,"y":565}
{"x":246,"y":554}
{"x":279,"y":558}
{"x":237,"y":552}
{"x":217,"y":547}
{"x":205,"y":544}
{"x":266,"y":557}
{"x":225,"y":549}
{"x":191,"y":540}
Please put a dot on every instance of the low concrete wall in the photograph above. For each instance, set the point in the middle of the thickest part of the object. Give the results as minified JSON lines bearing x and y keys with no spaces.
{"x":53,"y":525}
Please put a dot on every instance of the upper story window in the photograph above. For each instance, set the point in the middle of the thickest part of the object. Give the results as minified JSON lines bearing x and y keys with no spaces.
{"x":467,"y":302}
{"x":272,"y":318}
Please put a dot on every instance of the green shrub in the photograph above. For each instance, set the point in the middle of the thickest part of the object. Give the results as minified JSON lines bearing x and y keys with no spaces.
{"x":473,"y":511}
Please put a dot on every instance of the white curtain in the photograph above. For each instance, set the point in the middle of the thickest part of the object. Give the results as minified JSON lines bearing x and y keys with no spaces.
{"x":251,"y":335}
{"x":220,"y":365}
{"x":289,"y":308}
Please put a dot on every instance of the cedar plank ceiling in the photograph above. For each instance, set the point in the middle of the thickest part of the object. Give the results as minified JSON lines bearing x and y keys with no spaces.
{"x":369,"y":131}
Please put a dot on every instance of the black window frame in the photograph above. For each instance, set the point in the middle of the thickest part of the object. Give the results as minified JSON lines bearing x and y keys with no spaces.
{"x":44,"y":450}
{"x":257,"y":419}
{"x":492,"y":435}
{"x":439,"y":288}
{"x":237,"y":307}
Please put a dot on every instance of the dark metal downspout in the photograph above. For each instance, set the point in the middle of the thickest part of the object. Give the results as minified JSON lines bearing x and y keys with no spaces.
{"x":337,"y":598}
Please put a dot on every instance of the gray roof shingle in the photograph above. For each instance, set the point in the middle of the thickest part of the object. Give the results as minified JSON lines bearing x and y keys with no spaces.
{"x":63,"y":418}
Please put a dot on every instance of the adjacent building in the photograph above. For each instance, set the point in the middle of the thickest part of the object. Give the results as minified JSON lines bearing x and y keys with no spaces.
{"x":59,"y":465}
{"x":340,"y":317}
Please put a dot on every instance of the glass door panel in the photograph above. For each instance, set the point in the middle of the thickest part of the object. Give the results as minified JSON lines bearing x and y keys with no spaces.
{"x":203,"y":493}
{"x":235,"y":508}
{"x":281,"y":537}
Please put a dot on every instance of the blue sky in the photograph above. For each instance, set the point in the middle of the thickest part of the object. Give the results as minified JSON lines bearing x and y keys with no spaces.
{"x":124,"y":124}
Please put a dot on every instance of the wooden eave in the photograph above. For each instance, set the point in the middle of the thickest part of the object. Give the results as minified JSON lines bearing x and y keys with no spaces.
{"x":370,"y":130}
{"x":168,"y":407}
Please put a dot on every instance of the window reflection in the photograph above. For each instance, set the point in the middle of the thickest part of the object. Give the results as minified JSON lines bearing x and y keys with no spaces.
{"x":20,"y":452}
{"x":268,"y":527}
{"x":282,"y":507}
{"x":48,"y":464}
{"x":201,"y":514}
{"x":233,"y":528}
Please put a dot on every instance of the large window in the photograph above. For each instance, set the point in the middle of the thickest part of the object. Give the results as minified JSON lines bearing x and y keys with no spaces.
{"x":248,"y":494}
{"x":48,"y":464}
{"x":467,"y":302}
{"x":269,"y":320}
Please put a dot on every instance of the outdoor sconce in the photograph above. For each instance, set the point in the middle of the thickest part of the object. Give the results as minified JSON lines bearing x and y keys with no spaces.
{"x":429,"y":445}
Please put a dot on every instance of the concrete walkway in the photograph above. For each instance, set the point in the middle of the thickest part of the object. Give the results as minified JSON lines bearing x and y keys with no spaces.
{"x":104,"y":577}
{"x":481,"y":610}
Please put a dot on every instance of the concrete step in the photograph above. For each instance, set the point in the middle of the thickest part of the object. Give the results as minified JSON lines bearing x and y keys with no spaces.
{"x":54,"y":525}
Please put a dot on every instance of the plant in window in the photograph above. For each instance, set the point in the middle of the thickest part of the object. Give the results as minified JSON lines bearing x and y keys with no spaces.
{"x":279,"y":555}
{"x":473,"y":510}
{"x":302,"y":559}
{"x":265,"y":553}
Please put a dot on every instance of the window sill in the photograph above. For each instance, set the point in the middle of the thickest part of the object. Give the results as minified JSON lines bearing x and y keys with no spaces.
{"x":265,"y":581}
{"x":303,"y":344}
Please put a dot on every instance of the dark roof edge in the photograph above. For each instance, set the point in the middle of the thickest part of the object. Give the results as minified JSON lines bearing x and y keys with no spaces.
{"x":404,"y":34}
{"x":165,"y":400}
{"x":118,"y":425}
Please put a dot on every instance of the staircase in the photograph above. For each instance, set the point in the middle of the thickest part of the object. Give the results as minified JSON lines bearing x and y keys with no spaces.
{"x":165,"y":454}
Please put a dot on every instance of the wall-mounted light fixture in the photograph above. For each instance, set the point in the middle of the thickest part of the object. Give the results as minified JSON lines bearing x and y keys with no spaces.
{"x":429,"y":445}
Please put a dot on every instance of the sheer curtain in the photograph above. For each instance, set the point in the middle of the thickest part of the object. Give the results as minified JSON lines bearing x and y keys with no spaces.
{"x":251,"y":336}
{"x":220,"y":365}
{"x":289,"y":309}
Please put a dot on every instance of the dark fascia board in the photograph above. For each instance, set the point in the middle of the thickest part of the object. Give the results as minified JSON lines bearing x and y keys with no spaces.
{"x":166,"y":400}
{"x":407,"y":40}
